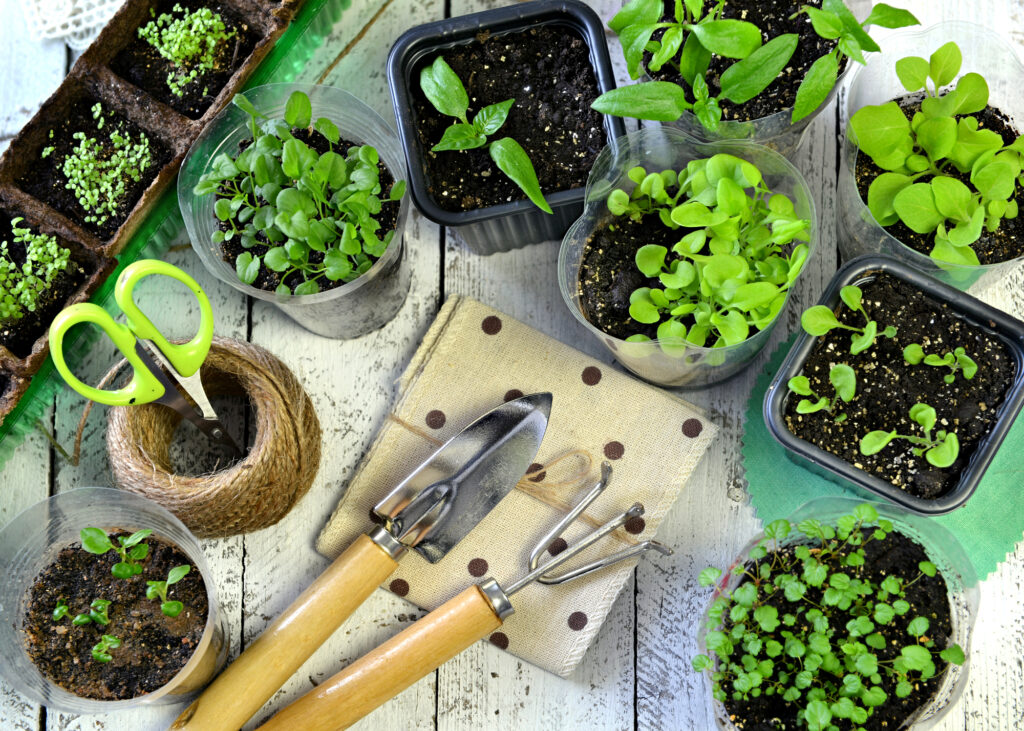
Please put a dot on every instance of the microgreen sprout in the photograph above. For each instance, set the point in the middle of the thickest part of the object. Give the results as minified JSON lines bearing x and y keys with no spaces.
{"x":131,"y":549}
{"x":22,"y":284}
{"x":819,"y":320}
{"x":940,"y":450}
{"x":101,"y":650}
{"x":445,"y":91}
{"x":192,"y":40}
{"x":97,"y":613}
{"x":158,"y":589}
{"x":957,"y":360}
{"x":843,"y":380}
{"x":60,"y":611}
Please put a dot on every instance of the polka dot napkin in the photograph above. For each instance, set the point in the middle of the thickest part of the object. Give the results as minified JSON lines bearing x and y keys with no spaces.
{"x":471,"y":360}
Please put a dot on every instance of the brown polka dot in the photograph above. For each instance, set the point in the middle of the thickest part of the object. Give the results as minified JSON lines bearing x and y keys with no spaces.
{"x":591,"y":375}
{"x":500,"y":640}
{"x":491,"y":325}
{"x":692,"y":428}
{"x":513,"y":394}
{"x":533,"y":468}
{"x":557,"y":546}
{"x":436,"y":419}
{"x":577,"y":621}
{"x":614,"y":450}
{"x":399,"y":587}
{"x":635,"y":526}
{"x":477,"y":567}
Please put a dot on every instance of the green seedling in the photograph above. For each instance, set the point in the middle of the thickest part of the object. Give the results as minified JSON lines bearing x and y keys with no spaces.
{"x":101,"y":650}
{"x":192,"y":40}
{"x":944,"y":175}
{"x":941,"y":450}
{"x":158,"y":589}
{"x":802,"y":626}
{"x":23,"y":283}
{"x":445,"y":91}
{"x":131,"y":549}
{"x":819,"y":320}
{"x":843,"y":380}
{"x":97,"y":613}
{"x":696,"y":32}
{"x":60,"y":611}
{"x":958,"y":360}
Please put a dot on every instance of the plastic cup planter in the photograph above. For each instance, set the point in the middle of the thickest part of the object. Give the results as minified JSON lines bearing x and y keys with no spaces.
{"x":1007,"y":329}
{"x":660,"y":148}
{"x":33,"y":539}
{"x":518,"y":223}
{"x":942,"y":549}
{"x":348,"y":311}
{"x":984,"y":52}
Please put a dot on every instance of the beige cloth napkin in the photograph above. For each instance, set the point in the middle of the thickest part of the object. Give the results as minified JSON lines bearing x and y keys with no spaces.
{"x":471,"y":360}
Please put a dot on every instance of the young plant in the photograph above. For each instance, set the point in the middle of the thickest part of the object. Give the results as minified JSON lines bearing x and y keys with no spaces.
{"x":158,"y":589}
{"x":958,"y":360}
{"x":22,"y":284}
{"x":944,"y":174}
{"x":696,"y":31}
{"x":445,"y":91}
{"x":194,"y":41}
{"x":843,"y":380}
{"x":941,"y":450}
{"x":60,"y":611}
{"x":101,"y":650}
{"x":131,"y":549}
{"x":97,"y":613}
{"x":735,"y":259}
{"x":819,"y":320}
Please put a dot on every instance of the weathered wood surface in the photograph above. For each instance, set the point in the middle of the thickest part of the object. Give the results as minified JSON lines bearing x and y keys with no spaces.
{"x":636,"y":675}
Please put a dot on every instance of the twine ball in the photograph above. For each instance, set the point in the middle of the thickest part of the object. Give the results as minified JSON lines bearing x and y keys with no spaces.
{"x":253,"y":493}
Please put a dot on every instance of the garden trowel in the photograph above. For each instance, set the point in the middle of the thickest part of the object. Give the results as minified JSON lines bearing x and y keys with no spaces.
{"x":429,"y":511}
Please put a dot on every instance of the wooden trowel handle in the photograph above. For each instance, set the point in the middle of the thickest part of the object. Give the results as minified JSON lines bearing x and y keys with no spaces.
{"x":380,"y":675}
{"x":276,"y":654}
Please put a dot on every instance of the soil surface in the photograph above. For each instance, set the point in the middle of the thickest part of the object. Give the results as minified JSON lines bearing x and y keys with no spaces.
{"x":142,"y":65}
{"x":897,"y":556}
{"x":547,"y":71}
{"x":773,"y":18}
{"x":45,"y":179}
{"x":1003,"y":244}
{"x":153,"y":648}
{"x":887,"y":387}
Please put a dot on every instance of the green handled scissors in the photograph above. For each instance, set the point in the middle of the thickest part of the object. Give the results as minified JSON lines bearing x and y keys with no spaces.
{"x":163,"y":372}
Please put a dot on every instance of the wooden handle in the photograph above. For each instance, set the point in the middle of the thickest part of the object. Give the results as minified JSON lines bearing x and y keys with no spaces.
{"x":267,"y":663}
{"x":385,"y":672}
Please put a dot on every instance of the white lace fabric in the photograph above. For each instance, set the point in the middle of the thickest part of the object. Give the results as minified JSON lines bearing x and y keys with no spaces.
{"x":76,"y":22}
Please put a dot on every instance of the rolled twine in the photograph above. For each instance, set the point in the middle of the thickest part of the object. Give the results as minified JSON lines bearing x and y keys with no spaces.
{"x":253,"y":493}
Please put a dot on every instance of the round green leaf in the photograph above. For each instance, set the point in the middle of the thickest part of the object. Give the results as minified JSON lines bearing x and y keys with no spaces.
{"x":915,"y":206}
{"x":875,"y":441}
{"x":945,"y":64}
{"x":95,"y":540}
{"x":650,"y":259}
{"x":298,"y":112}
{"x":818,"y":320}
{"x":945,"y":454}
{"x":844,"y":380}
{"x":912,"y":72}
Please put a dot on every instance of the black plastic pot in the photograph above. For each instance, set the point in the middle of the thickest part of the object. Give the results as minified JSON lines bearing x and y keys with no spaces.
{"x":979,"y":315}
{"x":510,"y":225}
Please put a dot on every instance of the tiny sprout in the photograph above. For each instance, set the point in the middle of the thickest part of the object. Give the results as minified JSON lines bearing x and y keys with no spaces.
{"x":97,"y":613}
{"x":843,"y":380}
{"x":955,"y":361}
{"x":100,"y":651}
{"x":159,"y":589}
{"x":941,"y":450}
{"x":131,"y":550}
{"x":819,"y":320}
{"x":60,"y":611}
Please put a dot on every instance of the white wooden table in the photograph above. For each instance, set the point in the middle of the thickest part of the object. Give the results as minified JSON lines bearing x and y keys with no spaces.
{"x":637,"y":673}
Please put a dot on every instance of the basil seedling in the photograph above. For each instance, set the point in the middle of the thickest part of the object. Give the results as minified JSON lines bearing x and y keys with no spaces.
{"x":131,"y":549}
{"x":60,"y":611}
{"x":819,"y":320}
{"x":957,"y":360}
{"x":97,"y":613}
{"x":192,"y":40}
{"x":101,"y":650}
{"x":843,"y":380}
{"x":941,"y":450}
{"x":158,"y":589}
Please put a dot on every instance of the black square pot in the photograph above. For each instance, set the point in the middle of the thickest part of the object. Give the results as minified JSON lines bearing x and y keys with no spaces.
{"x":1008,"y":330}
{"x":510,"y":225}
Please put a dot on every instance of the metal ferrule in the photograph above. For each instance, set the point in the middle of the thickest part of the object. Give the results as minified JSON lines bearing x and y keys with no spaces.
{"x":387,"y":542}
{"x":497,"y":598}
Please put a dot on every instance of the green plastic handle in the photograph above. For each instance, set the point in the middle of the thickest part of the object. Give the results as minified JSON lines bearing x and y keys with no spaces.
{"x":144,"y":386}
{"x":187,"y":357}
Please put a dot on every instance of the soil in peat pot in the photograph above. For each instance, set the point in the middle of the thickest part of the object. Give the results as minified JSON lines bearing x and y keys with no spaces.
{"x":154,"y":647}
{"x":887,"y":387}
{"x":141,"y":64}
{"x":774,"y":19}
{"x":1003,"y":244}
{"x":896,"y":555}
{"x":547,"y":71}
{"x":269,"y":280}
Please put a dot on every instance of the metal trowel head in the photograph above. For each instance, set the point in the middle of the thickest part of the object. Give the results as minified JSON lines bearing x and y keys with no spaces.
{"x":445,"y":497}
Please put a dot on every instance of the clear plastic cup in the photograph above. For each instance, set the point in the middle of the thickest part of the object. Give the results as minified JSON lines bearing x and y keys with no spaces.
{"x":660,"y":148}
{"x":348,"y":311}
{"x":32,"y":541}
{"x":984,"y":52}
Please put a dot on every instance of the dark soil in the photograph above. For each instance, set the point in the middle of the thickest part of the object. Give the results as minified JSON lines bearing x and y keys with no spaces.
{"x":142,"y":65}
{"x":547,"y":70}
{"x":897,"y":556}
{"x":269,"y":280}
{"x":153,"y":648}
{"x":887,"y":387}
{"x":773,"y":18}
{"x":1003,"y":244}
{"x":45,"y":178}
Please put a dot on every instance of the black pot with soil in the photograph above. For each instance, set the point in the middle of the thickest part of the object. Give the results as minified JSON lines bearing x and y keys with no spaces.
{"x":977,"y":404}
{"x":552,"y":58}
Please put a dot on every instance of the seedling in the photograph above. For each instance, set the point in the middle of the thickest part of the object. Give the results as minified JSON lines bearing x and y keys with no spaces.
{"x":22,"y":284}
{"x":697,"y":31}
{"x":941,"y":450}
{"x":101,"y":650}
{"x":192,"y":40}
{"x":158,"y":589}
{"x":445,"y":91}
{"x":97,"y":613}
{"x":819,"y":320}
{"x":60,"y":611}
{"x":843,"y":380}
{"x":945,"y":175}
{"x":958,"y":360}
{"x":131,"y":549}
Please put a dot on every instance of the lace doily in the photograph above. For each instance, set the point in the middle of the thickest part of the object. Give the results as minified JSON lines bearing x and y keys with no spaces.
{"x":76,"y":22}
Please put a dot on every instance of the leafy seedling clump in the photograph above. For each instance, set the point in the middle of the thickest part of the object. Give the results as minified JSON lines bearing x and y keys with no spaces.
{"x":131,"y":549}
{"x":158,"y":590}
{"x":24,"y":282}
{"x":194,"y":41}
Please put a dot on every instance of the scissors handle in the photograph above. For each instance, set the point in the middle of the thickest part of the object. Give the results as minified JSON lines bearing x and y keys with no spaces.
{"x":187,"y":357}
{"x":144,"y":386}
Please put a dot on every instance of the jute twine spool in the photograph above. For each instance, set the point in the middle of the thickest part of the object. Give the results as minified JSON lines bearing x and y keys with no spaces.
{"x":251,"y":494}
